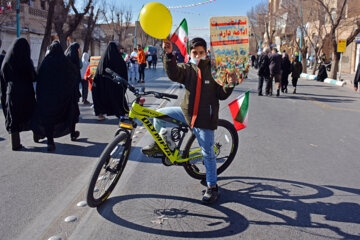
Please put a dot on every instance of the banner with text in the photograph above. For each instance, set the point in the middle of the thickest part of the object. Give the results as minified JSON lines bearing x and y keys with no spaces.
{"x":229,"y":46}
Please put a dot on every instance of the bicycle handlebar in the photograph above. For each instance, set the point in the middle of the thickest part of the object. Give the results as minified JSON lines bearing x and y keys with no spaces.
{"x":118,"y":79}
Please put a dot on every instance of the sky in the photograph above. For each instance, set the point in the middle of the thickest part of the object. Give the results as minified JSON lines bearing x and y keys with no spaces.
{"x":196,"y":17}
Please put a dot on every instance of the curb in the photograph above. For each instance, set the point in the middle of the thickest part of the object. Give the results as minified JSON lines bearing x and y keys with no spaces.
{"x":327,"y":80}
{"x":335,"y":82}
{"x":308,"y":76}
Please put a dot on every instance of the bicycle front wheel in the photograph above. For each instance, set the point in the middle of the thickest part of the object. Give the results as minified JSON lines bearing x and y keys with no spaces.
{"x":109,"y":169}
{"x":226,"y":144}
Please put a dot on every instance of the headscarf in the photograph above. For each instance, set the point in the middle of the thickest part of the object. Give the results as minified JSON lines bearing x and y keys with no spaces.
{"x":85,"y":63}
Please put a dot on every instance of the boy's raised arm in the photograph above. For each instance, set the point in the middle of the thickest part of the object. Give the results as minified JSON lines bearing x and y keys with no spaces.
{"x":174,"y":71}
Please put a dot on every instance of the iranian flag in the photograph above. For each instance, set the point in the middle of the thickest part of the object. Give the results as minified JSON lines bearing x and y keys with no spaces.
{"x":239,"y":110}
{"x":180,"y":38}
{"x":146,"y":50}
{"x":125,"y":56}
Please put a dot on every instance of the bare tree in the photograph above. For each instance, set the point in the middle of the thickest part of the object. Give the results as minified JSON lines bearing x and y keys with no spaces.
{"x":337,"y":19}
{"x":257,"y":16}
{"x":91,"y":22}
{"x":64,"y":23}
{"x":296,"y":21}
{"x":47,"y":35}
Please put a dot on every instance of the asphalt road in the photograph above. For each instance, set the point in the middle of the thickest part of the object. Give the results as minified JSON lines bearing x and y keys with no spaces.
{"x":295,"y":176}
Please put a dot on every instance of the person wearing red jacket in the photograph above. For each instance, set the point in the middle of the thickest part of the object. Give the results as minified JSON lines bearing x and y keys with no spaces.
{"x":142,"y":64}
{"x":88,"y":76}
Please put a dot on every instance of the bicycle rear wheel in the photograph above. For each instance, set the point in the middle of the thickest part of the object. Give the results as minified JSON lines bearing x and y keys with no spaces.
{"x":109,"y":169}
{"x":226,"y":144}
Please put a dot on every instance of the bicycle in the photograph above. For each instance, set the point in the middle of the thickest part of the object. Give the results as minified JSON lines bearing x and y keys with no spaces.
{"x":114,"y":157}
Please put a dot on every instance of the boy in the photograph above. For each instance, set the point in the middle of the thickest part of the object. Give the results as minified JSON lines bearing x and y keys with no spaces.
{"x":199,"y":108}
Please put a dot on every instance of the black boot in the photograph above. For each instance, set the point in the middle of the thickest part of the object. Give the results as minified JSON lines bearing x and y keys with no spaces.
{"x":278,"y":92}
{"x":15,"y":141}
{"x":50,"y":145}
{"x":36,"y":138}
{"x":74,"y":135}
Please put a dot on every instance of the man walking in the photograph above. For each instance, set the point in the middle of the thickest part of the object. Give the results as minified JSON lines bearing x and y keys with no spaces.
{"x":142,"y":64}
{"x":264,"y":71}
{"x":275,"y":71}
{"x":133,"y":65}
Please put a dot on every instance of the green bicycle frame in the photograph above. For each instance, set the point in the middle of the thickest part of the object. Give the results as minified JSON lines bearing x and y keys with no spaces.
{"x":142,"y":113}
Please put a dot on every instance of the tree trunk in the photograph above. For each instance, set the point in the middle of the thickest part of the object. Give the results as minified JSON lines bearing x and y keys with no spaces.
{"x":334,"y":64}
{"x":90,"y":29}
{"x":63,"y":41}
{"x":47,"y":35}
{"x":303,"y":59}
{"x":315,"y":63}
{"x":335,"y":59}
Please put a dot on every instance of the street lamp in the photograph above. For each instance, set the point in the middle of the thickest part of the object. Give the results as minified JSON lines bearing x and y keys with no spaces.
{"x":136,"y":27}
{"x":253,"y":34}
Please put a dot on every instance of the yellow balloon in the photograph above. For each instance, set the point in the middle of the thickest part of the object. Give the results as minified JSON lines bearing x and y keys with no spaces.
{"x":156,"y":20}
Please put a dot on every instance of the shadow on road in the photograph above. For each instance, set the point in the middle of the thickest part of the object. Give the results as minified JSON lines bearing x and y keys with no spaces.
{"x":173,"y":216}
{"x":318,"y":99}
{"x":185,"y":217}
{"x":277,"y":197}
{"x":94,"y":150}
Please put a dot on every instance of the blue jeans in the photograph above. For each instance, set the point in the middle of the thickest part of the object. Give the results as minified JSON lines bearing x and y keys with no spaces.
{"x":205,"y":138}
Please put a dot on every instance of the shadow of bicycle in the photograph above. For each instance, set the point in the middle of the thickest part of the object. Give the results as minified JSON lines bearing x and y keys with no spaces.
{"x":172,"y":216}
{"x":279,"y":198}
{"x":282,"y":198}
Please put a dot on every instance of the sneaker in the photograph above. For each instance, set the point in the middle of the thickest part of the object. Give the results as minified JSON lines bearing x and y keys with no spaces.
{"x":86,"y":102}
{"x":211,"y":195}
{"x":166,"y":135}
{"x":151,"y":150}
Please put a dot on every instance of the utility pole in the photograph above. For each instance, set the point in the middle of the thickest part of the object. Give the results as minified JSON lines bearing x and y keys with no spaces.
{"x":136,"y":27}
{"x":301,"y":29}
{"x":17,"y":18}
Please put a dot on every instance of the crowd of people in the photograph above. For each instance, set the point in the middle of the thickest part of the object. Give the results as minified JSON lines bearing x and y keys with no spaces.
{"x":51,"y":109}
{"x":275,"y":67}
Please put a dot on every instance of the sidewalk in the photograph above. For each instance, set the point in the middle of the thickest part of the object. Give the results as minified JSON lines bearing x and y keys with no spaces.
{"x":346,"y":77}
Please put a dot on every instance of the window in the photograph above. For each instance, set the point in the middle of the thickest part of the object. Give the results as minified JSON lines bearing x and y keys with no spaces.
{"x":42,"y":5}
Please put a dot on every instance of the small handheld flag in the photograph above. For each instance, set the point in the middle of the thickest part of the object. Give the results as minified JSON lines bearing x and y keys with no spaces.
{"x":239,"y":110}
{"x":146,"y":50}
{"x":181,"y":40}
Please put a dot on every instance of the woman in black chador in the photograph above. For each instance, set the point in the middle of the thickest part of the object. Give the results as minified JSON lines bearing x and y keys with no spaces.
{"x":17,"y":92}
{"x":57,"y":110}
{"x":72,"y":53}
{"x":108,"y":96}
